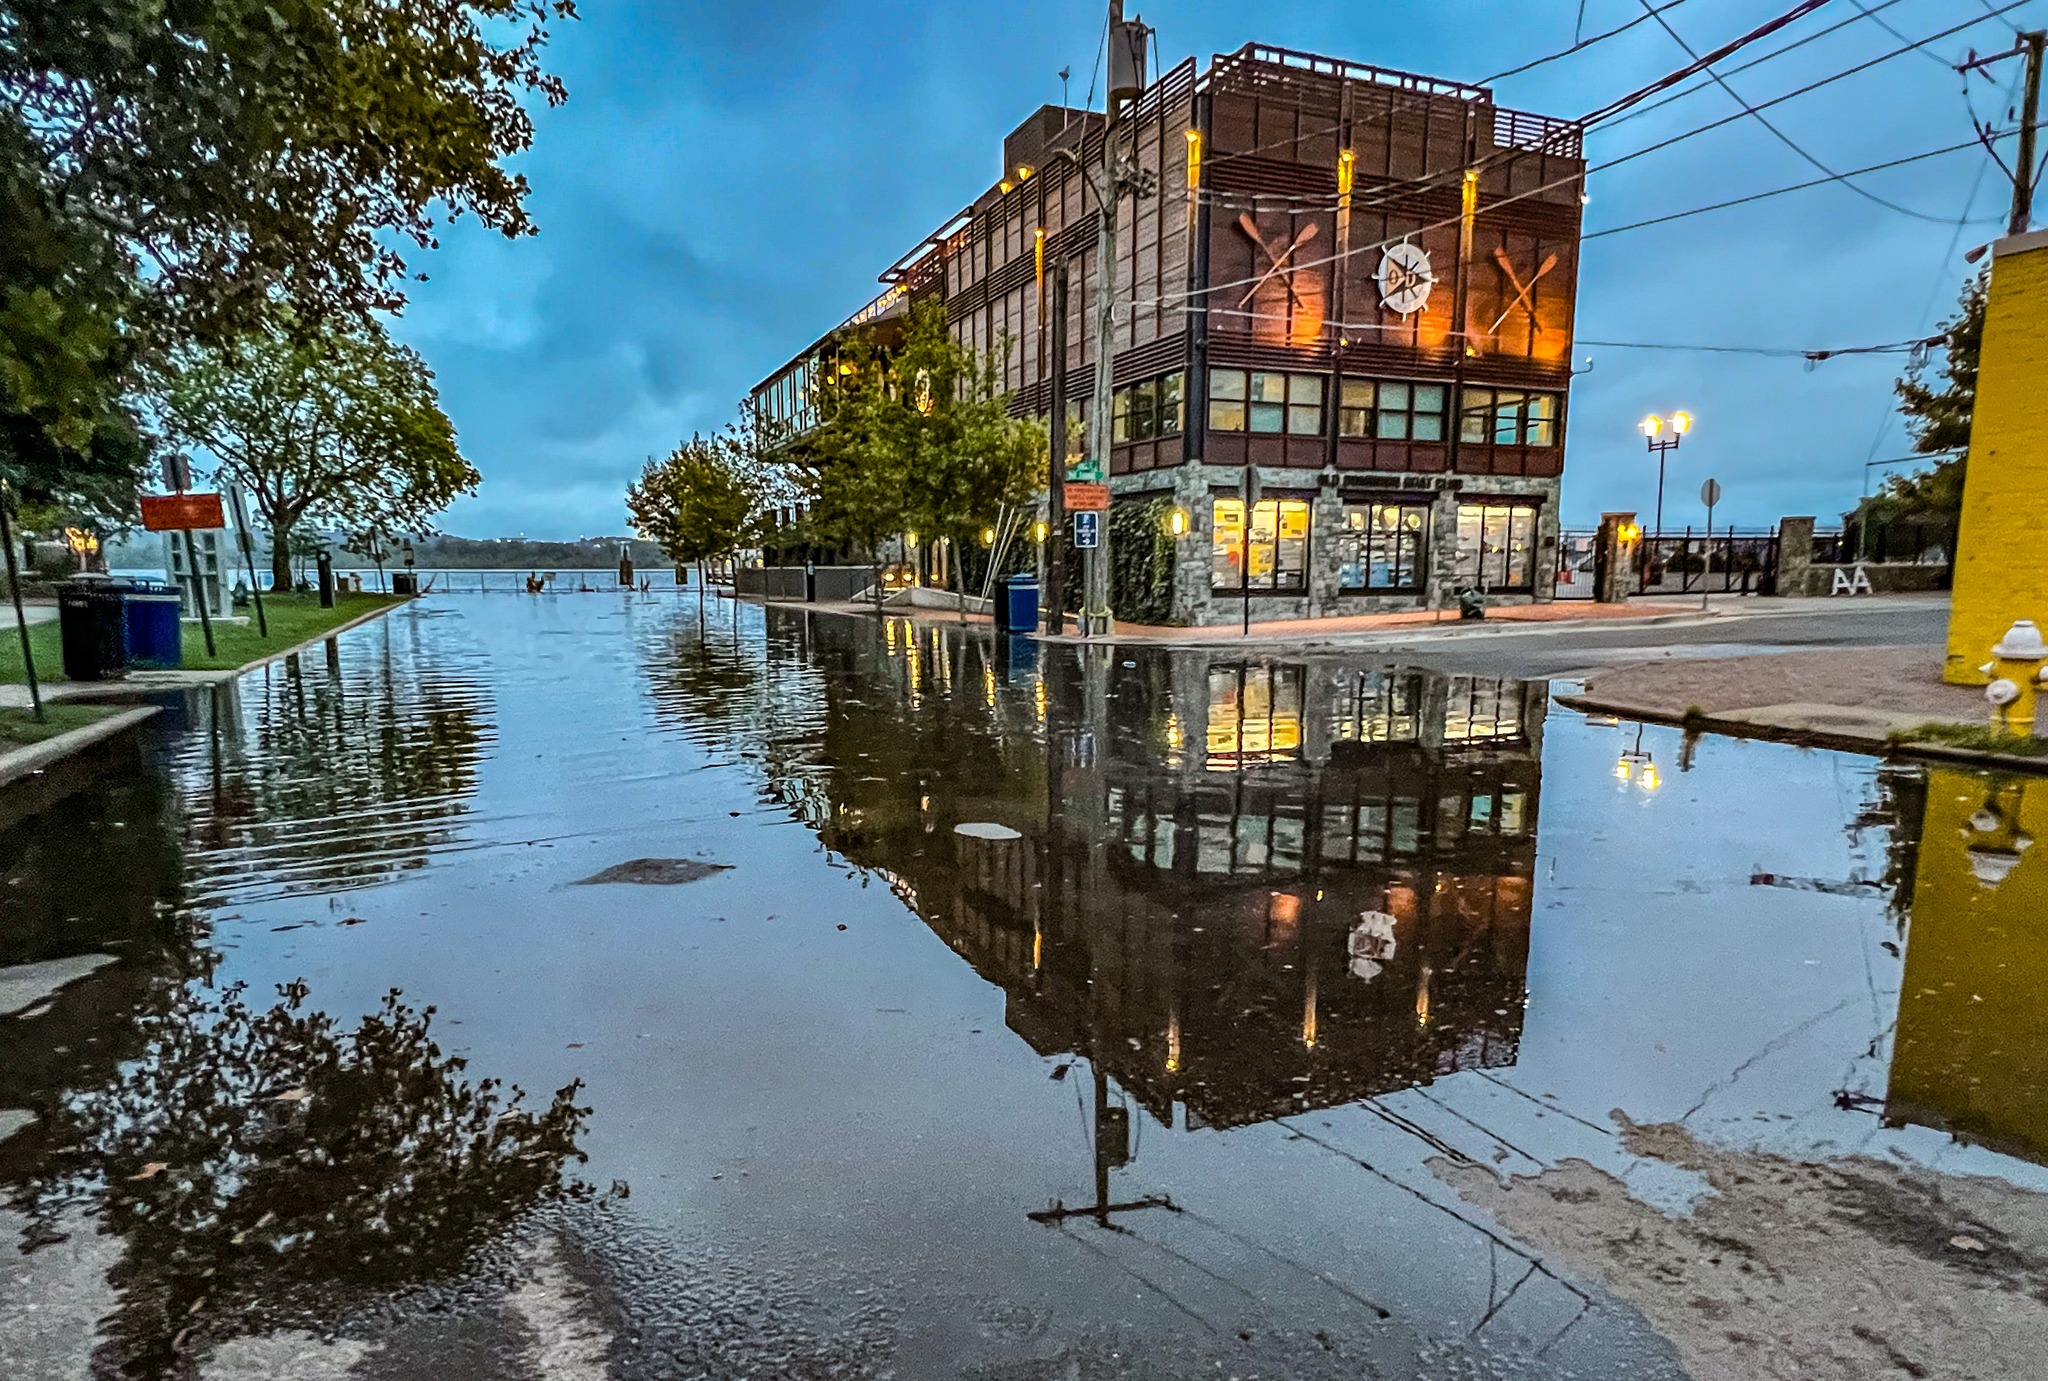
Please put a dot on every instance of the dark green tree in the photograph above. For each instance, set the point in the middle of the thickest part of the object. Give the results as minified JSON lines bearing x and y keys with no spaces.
{"x":341,"y":427}
{"x":185,"y":172}
{"x":1938,"y":401}
{"x":699,"y":504}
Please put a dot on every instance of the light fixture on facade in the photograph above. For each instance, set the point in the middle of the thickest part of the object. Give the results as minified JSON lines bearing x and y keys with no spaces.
{"x":1038,"y":531}
{"x":988,"y":537}
{"x":1177,"y":522}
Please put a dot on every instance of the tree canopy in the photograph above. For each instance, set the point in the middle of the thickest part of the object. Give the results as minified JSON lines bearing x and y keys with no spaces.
{"x":1938,"y":402}
{"x":915,"y":439}
{"x":343,"y":428}
{"x":698,"y":504}
{"x":181,"y":174}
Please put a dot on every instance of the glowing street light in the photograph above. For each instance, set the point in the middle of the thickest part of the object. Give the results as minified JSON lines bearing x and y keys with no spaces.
{"x":1663,"y":435}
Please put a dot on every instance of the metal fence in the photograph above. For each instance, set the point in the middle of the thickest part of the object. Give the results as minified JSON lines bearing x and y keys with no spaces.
{"x":1733,"y":562}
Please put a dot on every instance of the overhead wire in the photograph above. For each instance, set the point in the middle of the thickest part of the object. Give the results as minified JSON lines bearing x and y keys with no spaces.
{"x":1448,"y":175}
{"x":1794,"y":187}
{"x":1408,"y":190}
{"x":1757,"y":61}
{"x":1787,"y":140}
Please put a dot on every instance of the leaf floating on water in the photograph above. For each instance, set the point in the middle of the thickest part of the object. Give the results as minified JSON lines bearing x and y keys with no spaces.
{"x":355,"y":920}
{"x":151,"y":1170}
{"x":656,"y":872}
{"x":1964,"y":1242}
{"x":293,"y":1095}
{"x":1059,"y":1072}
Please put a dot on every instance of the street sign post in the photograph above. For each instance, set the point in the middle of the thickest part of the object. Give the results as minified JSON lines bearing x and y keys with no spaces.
{"x":1087,"y":498}
{"x":1710,"y":494}
{"x":182,"y":512}
{"x":1087,"y":529}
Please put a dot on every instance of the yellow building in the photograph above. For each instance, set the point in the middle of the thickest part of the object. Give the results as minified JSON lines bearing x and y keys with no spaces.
{"x":1971,"y":1055}
{"x":2001,"y":570}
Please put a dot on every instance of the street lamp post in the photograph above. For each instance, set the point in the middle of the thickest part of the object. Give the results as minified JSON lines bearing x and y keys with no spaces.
{"x":1663,"y":435}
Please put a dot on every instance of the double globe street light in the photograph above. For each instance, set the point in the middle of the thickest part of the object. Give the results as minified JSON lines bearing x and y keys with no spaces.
{"x":1664,"y":434}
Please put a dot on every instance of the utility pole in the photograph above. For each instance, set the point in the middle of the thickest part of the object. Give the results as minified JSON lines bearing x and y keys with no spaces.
{"x":1126,"y":78}
{"x":2031,"y":44}
{"x":1056,"y":505}
{"x":2033,"y":41}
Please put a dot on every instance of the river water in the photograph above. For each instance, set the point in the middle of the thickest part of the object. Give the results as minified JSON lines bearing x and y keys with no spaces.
{"x":929,"y":1007}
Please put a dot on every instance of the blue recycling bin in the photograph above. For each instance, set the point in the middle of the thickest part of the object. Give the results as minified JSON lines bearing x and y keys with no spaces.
{"x":1020,"y":604}
{"x":155,"y":637}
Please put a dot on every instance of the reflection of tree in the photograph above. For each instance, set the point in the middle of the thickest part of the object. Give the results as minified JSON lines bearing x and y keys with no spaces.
{"x":264,"y":1162}
{"x":301,"y":781}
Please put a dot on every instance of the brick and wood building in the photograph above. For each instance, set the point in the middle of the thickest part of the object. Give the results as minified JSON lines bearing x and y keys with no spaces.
{"x":1354,"y":284}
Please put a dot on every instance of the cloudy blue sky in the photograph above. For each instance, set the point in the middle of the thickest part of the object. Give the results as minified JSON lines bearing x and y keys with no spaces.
{"x":727,"y":180}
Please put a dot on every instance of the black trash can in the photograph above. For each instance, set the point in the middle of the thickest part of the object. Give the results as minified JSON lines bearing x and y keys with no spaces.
{"x":92,"y":624}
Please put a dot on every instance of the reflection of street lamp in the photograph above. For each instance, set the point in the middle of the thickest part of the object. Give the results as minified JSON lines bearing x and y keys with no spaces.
{"x":1664,"y":434}
{"x":1639,"y":765}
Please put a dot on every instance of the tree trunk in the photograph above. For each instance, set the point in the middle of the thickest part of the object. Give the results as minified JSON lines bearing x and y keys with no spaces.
{"x":280,"y":556}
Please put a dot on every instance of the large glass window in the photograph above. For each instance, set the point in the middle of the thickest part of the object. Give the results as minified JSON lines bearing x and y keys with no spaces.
{"x":1381,"y":546}
{"x":1277,"y":546}
{"x":1507,"y":417}
{"x":1226,"y":400}
{"x":1265,"y":402}
{"x":1139,"y":412}
{"x":1497,"y":546}
{"x":1392,"y":410}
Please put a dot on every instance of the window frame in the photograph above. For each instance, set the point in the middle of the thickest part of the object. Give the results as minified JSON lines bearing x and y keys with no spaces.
{"x":1377,"y":420}
{"x":1482,"y":509}
{"x":1363,"y":540}
{"x":1532,"y":417}
{"x":1221,"y":568}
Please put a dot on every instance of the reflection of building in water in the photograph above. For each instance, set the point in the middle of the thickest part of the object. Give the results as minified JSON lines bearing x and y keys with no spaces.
{"x":1971,"y":1056}
{"x":1317,"y":884}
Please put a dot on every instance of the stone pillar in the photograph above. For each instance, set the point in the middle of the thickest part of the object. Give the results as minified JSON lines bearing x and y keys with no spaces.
{"x":2001,"y":566}
{"x":1795,"y":557}
{"x":1612,"y":555}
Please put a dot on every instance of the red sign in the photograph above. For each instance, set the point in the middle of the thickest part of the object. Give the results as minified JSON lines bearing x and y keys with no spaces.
{"x":179,"y":512}
{"x":1087,"y":498}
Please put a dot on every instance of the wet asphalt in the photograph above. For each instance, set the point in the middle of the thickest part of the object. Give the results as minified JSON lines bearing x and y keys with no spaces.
{"x":1169,"y":1064}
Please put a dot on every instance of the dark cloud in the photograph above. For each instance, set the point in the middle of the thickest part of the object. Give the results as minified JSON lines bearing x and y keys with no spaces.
{"x":727,"y":180}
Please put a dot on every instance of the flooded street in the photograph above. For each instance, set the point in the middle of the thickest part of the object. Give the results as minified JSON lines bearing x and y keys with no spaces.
{"x":921,"y":1007}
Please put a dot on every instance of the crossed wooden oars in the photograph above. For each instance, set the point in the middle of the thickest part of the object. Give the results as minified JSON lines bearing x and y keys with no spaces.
{"x":1522,"y":290}
{"x":1276,"y":260}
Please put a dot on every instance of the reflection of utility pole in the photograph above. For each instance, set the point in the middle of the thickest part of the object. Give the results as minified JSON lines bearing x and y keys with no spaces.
{"x":1079,"y":760}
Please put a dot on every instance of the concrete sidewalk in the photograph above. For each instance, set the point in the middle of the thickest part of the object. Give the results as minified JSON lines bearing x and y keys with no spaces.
{"x":1864,"y":699}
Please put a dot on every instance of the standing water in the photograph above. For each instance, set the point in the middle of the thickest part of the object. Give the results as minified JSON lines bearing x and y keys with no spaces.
{"x":892,"y":1002}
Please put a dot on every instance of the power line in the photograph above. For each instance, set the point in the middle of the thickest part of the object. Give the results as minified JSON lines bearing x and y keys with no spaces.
{"x":1576,"y":178}
{"x":1900,"y":347}
{"x":1795,"y":187}
{"x":1759,"y":61}
{"x":1578,"y":45}
{"x":1786,"y":139}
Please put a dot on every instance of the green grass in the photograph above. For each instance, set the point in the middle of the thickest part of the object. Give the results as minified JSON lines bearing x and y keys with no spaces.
{"x":293,"y":619}
{"x":1981,"y":738}
{"x":20,"y":728}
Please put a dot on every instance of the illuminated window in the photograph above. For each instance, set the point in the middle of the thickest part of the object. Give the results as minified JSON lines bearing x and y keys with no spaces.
{"x":1381,"y":546}
{"x":1278,"y":546}
{"x":1392,"y":410}
{"x":1226,"y":400}
{"x":1269,"y":403}
{"x":1507,"y":417}
{"x":1497,"y":546}
{"x":1377,"y":707}
{"x":1482,"y":709}
{"x":1254,"y":716}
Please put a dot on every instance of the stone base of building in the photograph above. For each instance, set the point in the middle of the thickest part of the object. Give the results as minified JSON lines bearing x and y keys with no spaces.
{"x":1496,"y":534}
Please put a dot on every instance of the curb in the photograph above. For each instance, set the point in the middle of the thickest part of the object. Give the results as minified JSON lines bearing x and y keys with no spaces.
{"x":23,"y":762}
{"x":1808,"y":738}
